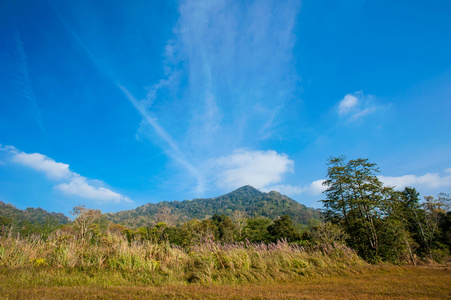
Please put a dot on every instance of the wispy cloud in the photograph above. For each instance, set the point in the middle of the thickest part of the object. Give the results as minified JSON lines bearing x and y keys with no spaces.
{"x":356,"y":106}
{"x":21,"y":77}
{"x":238,"y":60}
{"x":256,"y":168}
{"x":70,"y":182}
{"x":426,"y":181}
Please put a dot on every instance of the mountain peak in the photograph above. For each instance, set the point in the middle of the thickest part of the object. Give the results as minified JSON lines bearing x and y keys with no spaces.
{"x":246,"y":199}
{"x":247,"y":189}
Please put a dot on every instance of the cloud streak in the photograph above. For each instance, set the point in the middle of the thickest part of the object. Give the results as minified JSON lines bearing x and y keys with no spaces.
{"x":71,"y":183}
{"x":174,"y":151}
{"x":21,"y":79}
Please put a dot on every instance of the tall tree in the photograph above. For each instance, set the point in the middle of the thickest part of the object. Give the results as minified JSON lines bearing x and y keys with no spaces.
{"x":356,"y":200}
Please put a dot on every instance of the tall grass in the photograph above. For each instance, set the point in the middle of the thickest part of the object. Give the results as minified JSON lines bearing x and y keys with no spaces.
{"x":155,"y":263}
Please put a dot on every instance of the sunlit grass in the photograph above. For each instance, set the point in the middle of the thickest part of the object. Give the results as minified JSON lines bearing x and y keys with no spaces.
{"x":63,"y":267}
{"x":152,"y":263}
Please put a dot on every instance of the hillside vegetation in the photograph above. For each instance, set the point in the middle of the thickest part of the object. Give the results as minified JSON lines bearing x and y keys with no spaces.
{"x":250,"y":201}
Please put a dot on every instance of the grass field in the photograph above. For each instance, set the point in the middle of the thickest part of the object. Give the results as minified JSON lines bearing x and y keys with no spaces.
{"x":372,"y":282}
{"x":66,"y":268}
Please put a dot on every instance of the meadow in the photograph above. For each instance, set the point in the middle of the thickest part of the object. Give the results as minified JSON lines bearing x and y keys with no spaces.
{"x":62,"y":266}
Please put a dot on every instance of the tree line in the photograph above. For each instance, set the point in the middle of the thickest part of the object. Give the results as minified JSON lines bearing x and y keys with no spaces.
{"x":381,"y":223}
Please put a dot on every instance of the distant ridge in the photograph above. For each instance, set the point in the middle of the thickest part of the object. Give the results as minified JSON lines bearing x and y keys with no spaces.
{"x":9,"y":214}
{"x":247,"y":199}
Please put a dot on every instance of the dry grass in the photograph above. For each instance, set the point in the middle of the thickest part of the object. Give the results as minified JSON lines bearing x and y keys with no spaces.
{"x":144,"y":262}
{"x":112,"y":268}
{"x":374,"y":282}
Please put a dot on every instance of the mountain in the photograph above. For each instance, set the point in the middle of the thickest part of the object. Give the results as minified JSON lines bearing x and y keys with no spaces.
{"x":10,"y":215}
{"x":247,"y":199}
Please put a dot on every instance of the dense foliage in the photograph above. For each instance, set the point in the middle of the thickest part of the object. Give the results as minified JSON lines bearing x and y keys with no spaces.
{"x":381,"y":223}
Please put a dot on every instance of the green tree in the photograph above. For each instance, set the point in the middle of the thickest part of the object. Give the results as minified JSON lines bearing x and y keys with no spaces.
{"x":357,"y":200}
{"x":415,"y":218}
{"x":5,"y":221}
{"x":225,"y":228}
{"x":256,"y":230}
{"x":283,"y":228}
{"x":157,"y":233}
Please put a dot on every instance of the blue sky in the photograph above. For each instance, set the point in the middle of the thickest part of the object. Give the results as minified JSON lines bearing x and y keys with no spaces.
{"x":114,"y":105}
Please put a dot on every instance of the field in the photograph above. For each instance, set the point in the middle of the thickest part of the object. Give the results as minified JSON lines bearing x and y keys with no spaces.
{"x":371,"y":282}
{"x":62,"y":267}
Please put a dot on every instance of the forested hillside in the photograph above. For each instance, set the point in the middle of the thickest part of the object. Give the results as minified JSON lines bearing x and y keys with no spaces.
{"x":246,"y":199}
{"x":30,"y":219}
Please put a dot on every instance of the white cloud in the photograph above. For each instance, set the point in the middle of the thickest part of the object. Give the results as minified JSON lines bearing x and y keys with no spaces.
{"x":427,"y":181}
{"x":285,"y":189}
{"x":315,"y":188}
{"x":71,"y":183}
{"x":52,"y":169}
{"x":79,"y":186}
{"x":356,"y":106}
{"x":348,"y":102}
{"x":256,"y":168}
